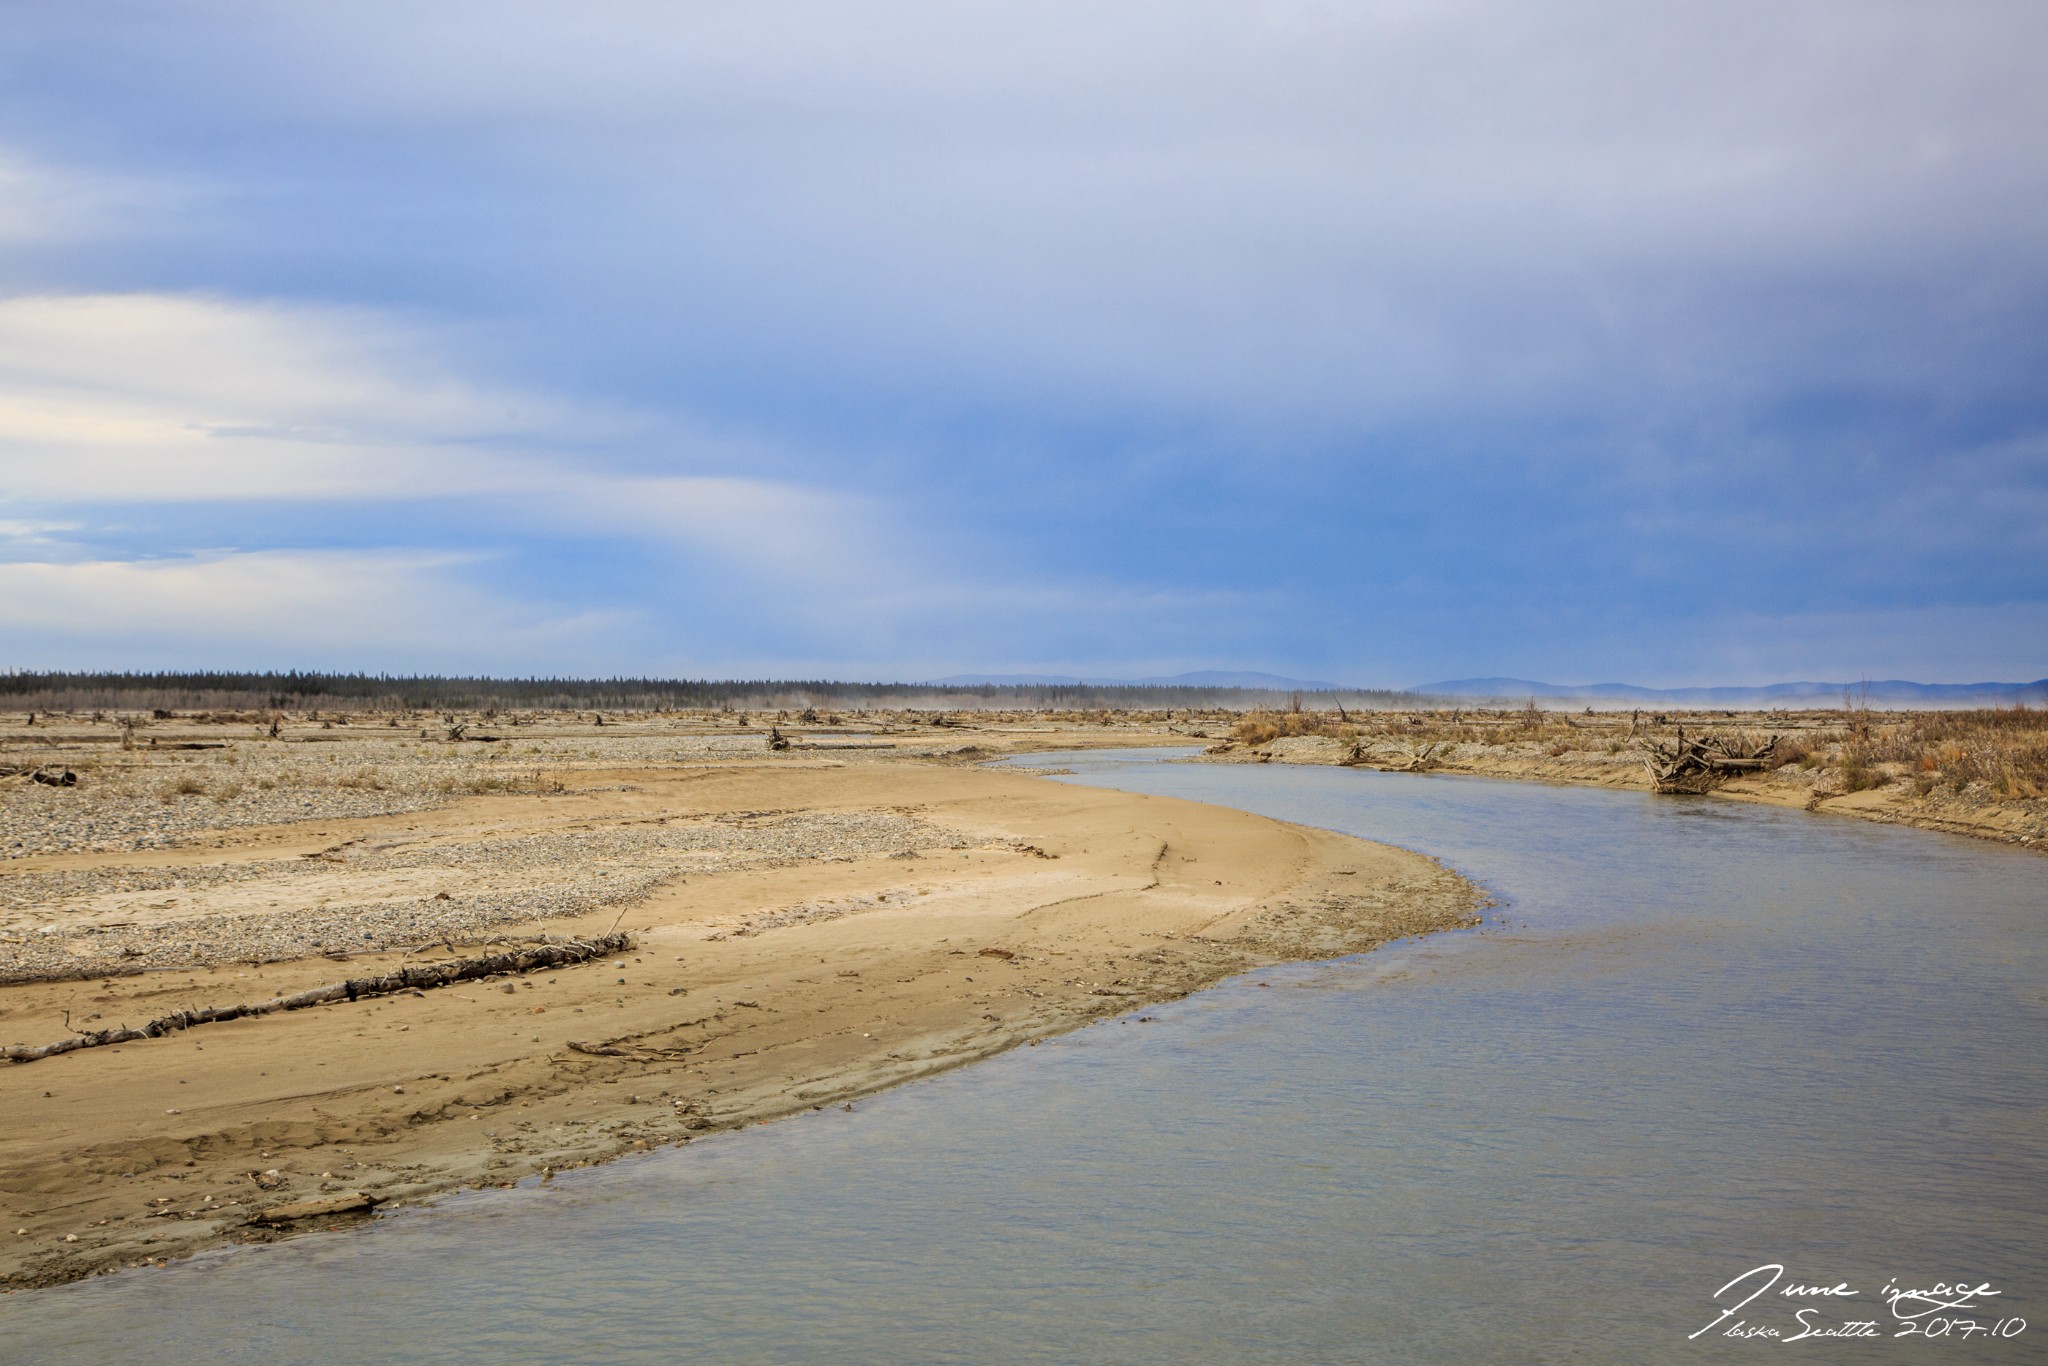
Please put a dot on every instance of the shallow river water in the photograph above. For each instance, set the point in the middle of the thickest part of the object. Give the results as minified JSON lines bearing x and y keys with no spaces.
{"x":1694,"y":1039}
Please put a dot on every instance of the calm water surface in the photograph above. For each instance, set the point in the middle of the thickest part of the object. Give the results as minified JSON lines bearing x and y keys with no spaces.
{"x":1698,"y":1037}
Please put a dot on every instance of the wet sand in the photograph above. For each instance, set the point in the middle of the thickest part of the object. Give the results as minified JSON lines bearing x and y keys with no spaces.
{"x":987,"y":909}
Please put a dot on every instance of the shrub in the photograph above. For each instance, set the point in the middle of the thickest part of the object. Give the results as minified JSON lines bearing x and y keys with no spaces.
{"x":1259,"y":727}
{"x":2004,"y":749}
{"x":1256,"y":729}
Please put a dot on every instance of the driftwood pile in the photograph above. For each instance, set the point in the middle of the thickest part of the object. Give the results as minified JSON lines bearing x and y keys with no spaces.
{"x":42,"y":773}
{"x":1418,"y":760}
{"x":417,"y":977}
{"x":1697,"y":765}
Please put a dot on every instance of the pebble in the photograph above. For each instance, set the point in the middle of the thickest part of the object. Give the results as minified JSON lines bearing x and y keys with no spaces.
{"x":128,"y":799}
{"x":511,"y":880}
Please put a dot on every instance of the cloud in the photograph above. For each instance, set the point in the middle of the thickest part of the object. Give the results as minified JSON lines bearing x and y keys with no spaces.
{"x":154,"y":397}
{"x":116,"y":409}
{"x":1358,"y":212}
{"x":799,"y":329}
{"x":42,"y":204}
{"x":161,"y":399}
{"x":23,"y":532}
{"x":335,"y":608}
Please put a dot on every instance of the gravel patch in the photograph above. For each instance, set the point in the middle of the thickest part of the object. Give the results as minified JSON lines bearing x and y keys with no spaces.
{"x":812,"y":912}
{"x":504,"y":881}
{"x":158,"y":798}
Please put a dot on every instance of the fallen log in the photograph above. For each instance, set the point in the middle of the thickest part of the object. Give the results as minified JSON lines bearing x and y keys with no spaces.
{"x":346,"y":1203}
{"x":416,"y":977}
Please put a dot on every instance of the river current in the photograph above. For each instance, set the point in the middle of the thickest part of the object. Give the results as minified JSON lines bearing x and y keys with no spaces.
{"x":1695,"y":1038}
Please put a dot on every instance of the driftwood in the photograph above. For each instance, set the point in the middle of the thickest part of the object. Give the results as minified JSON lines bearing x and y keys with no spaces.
{"x":1418,"y":760}
{"x":346,"y":1203}
{"x":1424,"y":759}
{"x":1697,"y":765}
{"x":39,"y":773}
{"x":413,"y":978}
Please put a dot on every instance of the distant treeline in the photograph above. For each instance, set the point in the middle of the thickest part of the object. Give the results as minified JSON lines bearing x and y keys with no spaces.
{"x":296,"y":691}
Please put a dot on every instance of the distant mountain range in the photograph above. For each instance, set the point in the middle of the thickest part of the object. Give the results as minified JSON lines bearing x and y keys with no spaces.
{"x":1206,"y":678}
{"x":1889,"y":692}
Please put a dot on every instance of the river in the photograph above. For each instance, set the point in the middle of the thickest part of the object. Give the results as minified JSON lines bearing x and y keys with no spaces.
{"x":1694,"y":1038}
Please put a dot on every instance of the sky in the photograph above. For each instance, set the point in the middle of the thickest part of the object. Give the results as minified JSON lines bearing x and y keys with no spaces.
{"x":1376,"y":341}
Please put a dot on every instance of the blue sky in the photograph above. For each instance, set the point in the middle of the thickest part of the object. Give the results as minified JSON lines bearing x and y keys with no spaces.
{"x":1683,"y":343}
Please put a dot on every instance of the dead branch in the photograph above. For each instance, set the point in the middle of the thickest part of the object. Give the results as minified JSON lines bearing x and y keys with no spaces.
{"x":416,"y":977}
{"x":1702,"y":763}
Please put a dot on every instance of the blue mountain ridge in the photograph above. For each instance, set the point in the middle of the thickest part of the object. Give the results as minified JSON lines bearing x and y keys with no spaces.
{"x":1890,"y":690}
{"x":1206,"y":678}
{"x":1893,"y":691}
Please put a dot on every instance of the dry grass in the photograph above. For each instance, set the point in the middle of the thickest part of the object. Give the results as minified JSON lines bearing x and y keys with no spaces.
{"x":2004,"y":749}
{"x":1995,"y":754}
{"x":1259,"y":727}
{"x":1999,"y":752}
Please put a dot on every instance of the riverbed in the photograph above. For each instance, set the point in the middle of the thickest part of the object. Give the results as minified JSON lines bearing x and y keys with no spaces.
{"x":1693,"y":1039}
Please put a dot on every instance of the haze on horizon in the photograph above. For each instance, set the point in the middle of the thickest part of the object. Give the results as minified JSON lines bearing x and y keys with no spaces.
{"x":1682,"y":345}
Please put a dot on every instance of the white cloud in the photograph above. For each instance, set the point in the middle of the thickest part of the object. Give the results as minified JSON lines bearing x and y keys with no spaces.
{"x":1356,"y":208}
{"x":19,"y":531}
{"x":1413,"y":251}
{"x":132,"y":401}
{"x":155,"y":398}
{"x":339,"y":608}
{"x":42,"y":203}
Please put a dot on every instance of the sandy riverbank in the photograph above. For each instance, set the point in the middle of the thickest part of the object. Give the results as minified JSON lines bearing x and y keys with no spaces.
{"x":808,"y":927}
{"x":1607,"y":749}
